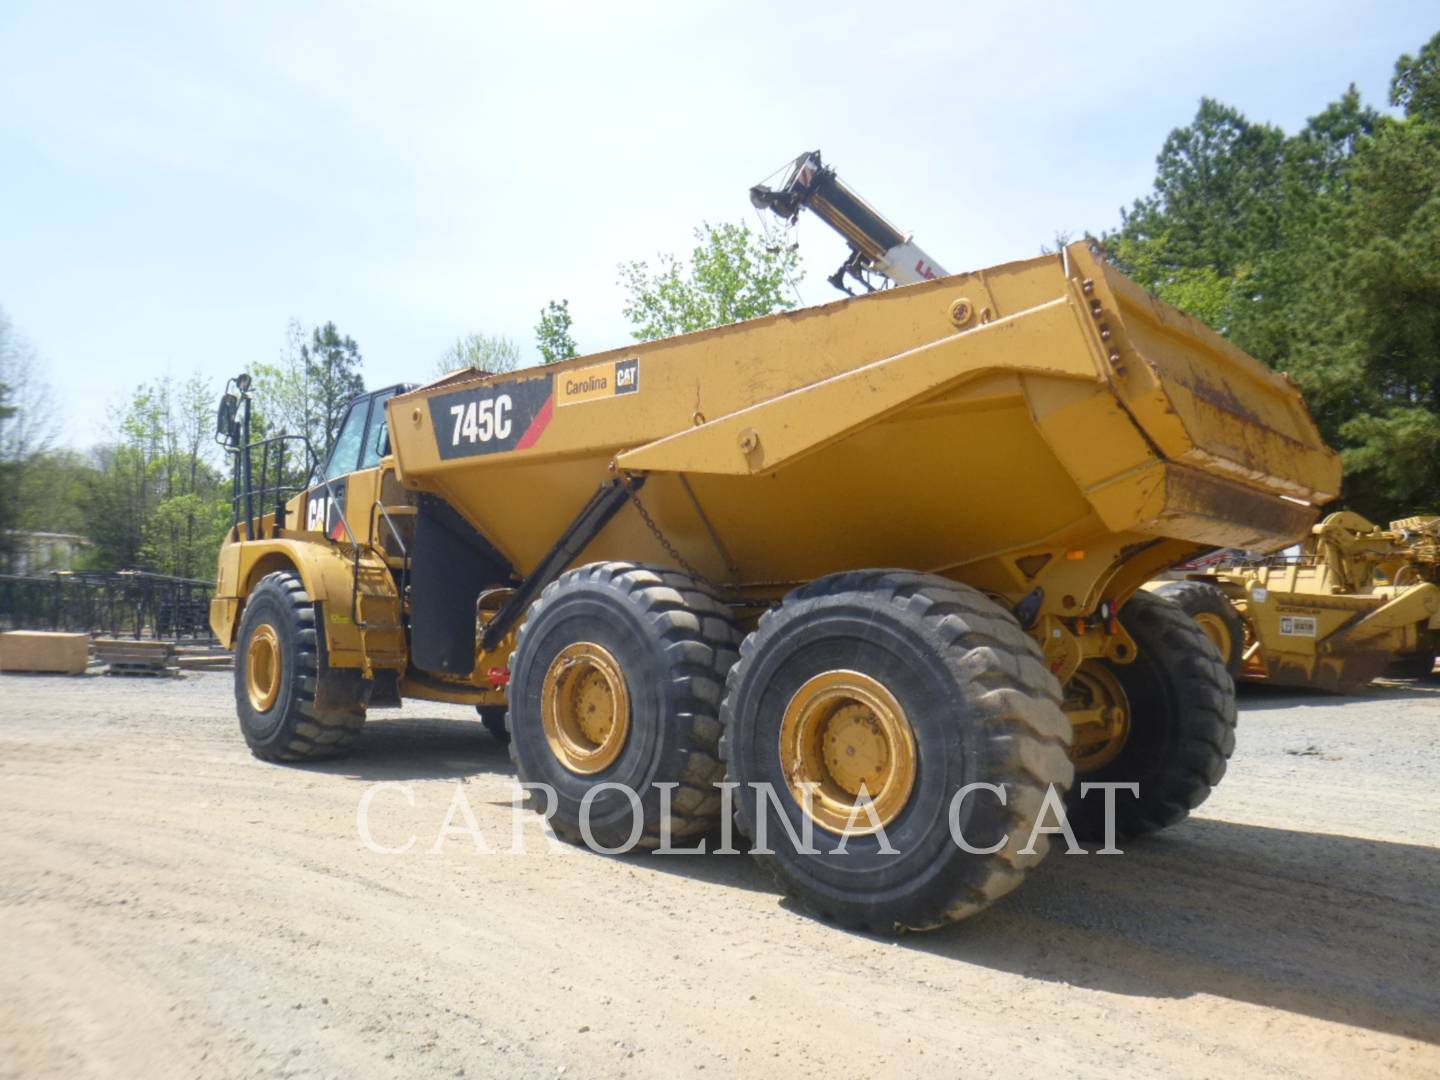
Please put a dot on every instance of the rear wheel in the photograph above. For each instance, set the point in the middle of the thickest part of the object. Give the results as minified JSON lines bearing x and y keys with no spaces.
{"x":615,"y":684}
{"x":1166,"y":722}
{"x":883,"y":693}
{"x":292,"y":706}
{"x":1215,"y":615}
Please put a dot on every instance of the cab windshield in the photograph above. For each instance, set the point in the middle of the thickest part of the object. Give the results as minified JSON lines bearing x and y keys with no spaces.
{"x":363,"y":439}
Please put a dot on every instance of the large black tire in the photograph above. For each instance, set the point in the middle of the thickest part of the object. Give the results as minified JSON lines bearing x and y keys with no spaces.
{"x":318,"y":711}
{"x":1204,"y":602}
{"x":493,"y":717}
{"x":981,"y":705}
{"x":673,"y":642}
{"x":1181,"y":702}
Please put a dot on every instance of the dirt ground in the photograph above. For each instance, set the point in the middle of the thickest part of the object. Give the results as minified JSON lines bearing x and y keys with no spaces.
{"x":170,"y":906}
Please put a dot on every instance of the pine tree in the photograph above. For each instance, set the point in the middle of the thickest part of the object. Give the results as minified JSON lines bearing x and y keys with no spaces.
{"x":332,"y":372}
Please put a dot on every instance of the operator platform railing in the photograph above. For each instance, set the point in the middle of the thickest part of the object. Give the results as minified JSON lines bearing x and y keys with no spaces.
{"x":282,"y":474}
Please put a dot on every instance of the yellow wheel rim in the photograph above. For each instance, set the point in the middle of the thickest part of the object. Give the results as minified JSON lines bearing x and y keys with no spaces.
{"x":844,"y":732}
{"x":1099,"y":715}
{"x":263,"y":668}
{"x":1215,"y":629}
{"x":585,"y":708}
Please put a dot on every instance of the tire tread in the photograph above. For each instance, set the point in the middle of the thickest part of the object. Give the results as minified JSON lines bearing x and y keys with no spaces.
{"x":1027,"y":736}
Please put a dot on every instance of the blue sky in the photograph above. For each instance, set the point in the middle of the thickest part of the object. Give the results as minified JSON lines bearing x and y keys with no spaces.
{"x":178,"y":180}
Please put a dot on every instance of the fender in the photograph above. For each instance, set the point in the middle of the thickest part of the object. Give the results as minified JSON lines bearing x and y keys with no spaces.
{"x":328,"y":573}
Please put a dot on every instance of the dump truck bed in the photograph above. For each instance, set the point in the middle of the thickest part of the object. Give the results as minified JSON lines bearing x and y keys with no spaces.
{"x":1037,"y":405}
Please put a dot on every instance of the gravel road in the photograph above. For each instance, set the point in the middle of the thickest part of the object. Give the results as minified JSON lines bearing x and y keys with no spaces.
{"x":170,"y":906}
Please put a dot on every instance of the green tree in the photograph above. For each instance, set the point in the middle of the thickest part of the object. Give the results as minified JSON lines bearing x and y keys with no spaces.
{"x":731,"y":276}
{"x":332,"y":374}
{"x":151,"y":497}
{"x":53,"y":491}
{"x":128,"y":482}
{"x":281,"y":395}
{"x":1370,"y":361}
{"x":9,"y":511}
{"x":552,"y":333}
{"x":184,"y":532}
{"x":1326,"y":266}
{"x":155,"y":499}
{"x":1415,"y":86}
{"x":1270,"y":317}
{"x":492,"y":354}
{"x":27,"y":430}
{"x":283,"y":403}
{"x":1194,"y":241}
{"x":191,"y":519}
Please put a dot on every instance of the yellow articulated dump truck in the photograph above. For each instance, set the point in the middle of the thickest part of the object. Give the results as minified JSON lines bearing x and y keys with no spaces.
{"x":1356,"y":602}
{"x":877,"y":564}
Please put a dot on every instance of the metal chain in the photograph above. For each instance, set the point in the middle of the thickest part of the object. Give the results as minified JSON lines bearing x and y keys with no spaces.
{"x":670,"y":549}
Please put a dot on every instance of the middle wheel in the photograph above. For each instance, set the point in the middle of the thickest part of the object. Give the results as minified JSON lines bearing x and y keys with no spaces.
{"x":863,"y":707}
{"x":616,"y":680}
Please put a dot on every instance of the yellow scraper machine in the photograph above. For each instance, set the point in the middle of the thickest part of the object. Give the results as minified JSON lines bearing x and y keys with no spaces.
{"x":1356,"y":602}
{"x":879,"y":563}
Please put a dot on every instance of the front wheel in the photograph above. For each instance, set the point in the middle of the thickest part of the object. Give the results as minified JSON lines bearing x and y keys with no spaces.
{"x":493,"y":718}
{"x":615,"y":684}
{"x":292,"y":706}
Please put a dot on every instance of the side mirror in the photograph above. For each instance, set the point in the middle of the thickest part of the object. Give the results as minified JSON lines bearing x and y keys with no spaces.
{"x":227,"y":430}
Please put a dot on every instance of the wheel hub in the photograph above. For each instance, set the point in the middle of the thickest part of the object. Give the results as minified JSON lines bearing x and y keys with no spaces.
{"x":1214,"y":628}
{"x":585,"y":708}
{"x":846,"y":740}
{"x":1099,"y":714}
{"x":263,"y":668}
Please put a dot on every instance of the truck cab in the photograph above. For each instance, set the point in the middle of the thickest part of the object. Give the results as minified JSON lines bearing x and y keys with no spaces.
{"x":319,"y":521}
{"x":361,"y":441}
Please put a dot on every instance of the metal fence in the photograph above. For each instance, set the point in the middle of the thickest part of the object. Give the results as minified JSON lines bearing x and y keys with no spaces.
{"x":122,"y":603}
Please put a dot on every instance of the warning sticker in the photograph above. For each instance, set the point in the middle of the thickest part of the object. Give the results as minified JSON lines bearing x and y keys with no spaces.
{"x":598,"y":381}
{"x":1297,"y":625}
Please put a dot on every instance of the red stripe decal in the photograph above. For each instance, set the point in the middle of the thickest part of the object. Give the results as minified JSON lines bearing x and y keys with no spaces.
{"x":538,"y":425}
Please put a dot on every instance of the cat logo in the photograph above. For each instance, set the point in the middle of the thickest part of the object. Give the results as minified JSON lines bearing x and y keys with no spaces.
{"x":324,"y":514}
{"x":315,"y":508}
{"x":1297,"y":625}
{"x":599,"y":381}
{"x":627,"y":376}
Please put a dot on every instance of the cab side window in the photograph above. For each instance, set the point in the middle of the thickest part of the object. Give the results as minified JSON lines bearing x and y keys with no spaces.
{"x":377,"y":436}
{"x":345,"y":454}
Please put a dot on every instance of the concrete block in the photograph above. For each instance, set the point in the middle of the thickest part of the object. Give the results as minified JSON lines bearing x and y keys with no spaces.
{"x":40,"y":650}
